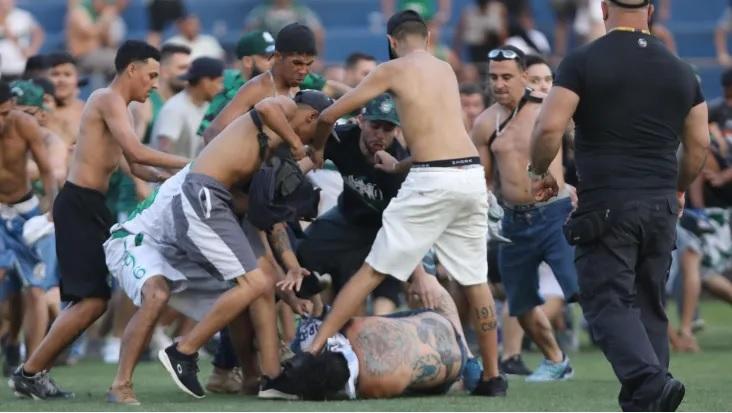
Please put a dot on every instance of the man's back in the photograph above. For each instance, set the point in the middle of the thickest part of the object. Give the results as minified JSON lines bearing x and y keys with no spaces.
{"x":428,"y":102}
{"x":634,"y":98}
{"x":13,"y":154}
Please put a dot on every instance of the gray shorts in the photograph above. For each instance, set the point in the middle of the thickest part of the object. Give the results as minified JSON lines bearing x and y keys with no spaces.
{"x":208,"y":233}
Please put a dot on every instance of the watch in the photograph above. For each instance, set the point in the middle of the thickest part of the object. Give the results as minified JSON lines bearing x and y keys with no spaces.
{"x":534,"y":176}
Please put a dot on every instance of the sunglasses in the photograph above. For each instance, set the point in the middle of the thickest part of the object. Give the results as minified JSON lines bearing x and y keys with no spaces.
{"x":505,"y":54}
{"x":385,"y":126}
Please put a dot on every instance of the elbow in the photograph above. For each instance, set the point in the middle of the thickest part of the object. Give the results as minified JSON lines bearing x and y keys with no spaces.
{"x":326,"y":118}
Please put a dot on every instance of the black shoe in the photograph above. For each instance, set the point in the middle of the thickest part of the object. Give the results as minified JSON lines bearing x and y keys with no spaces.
{"x":183,"y":369}
{"x":671,"y":396}
{"x":495,"y":387}
{"x":11,"y":360}
{"x":276,"y":388}
{"x":40,"y":386}
{"x":514,"y":366}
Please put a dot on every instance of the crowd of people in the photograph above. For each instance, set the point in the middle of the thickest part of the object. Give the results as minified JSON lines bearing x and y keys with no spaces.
{"x":283,"y":213}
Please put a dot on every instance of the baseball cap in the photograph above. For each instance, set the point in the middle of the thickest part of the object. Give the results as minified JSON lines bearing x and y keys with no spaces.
{"x":632,"y":4}
{"x":397,"y":20}
{"x":257,"y":42}
{"x":27,"y":93}
{"x":382,"y":108}
{"x":45,"y":84}
{"x":204,"y":67}
{"x":313,"y":98}
{"x":296,"y":38}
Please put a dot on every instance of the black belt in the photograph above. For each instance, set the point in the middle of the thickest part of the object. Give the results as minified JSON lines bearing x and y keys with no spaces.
{"x":448,"y":163}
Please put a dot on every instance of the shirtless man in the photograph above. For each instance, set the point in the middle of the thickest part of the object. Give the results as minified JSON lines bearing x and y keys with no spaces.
{"x":412,"y":352}
{"x":503,"y":133}
{"x":82,"y":219}
{"x":442,"y":202}
{"x":65,"y":78}
{"x":24,"y":269}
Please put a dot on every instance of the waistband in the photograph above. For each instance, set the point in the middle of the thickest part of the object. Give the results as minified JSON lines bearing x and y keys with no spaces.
{"x":70,"y":186}
{"x":564,"y":194}
{"x":23,"y":206}
{"x":448,"y":163}
{"x":206,"y":180}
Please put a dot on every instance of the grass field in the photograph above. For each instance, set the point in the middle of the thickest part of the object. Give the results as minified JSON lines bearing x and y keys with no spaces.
{"x":708,"y":379}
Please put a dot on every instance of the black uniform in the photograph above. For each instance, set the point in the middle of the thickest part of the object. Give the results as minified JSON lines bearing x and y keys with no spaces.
{"x":634,"y":98}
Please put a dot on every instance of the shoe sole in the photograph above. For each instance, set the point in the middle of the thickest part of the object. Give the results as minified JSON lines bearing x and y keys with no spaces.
{"x":20,"y":394}
{"x":165,"y":361}
{"x":565,"y":377}
{"x":112,"y":401}
{"x":273,"y":394}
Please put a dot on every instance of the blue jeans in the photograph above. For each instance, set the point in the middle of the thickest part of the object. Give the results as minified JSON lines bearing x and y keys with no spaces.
{"x":536,"y":236}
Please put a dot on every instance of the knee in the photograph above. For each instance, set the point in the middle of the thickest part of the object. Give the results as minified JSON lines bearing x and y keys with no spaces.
{"x":95,"y":306}
{"x":35,"y":294}
{"x":155,"y":293}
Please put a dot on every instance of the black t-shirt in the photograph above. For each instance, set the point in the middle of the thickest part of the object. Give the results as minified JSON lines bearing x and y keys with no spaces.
{"x":366,"y":190}
{"x":634,"y":98}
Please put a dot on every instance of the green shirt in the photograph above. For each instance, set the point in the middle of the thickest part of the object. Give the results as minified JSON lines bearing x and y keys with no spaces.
{"x":426,"y":8}
{"x":157,"y":103}
{"x":233,"y":81}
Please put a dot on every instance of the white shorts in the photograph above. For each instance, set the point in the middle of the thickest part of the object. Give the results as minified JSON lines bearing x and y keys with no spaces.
{"x":548,"y":284}
{"x":444,"y":207}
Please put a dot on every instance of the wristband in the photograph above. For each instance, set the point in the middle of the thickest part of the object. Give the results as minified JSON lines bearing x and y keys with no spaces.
{"x":533,"y":175}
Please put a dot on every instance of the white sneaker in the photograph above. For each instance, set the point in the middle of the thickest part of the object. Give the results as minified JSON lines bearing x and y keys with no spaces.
{"x":159,"y":340}
{"x":110,"y":350}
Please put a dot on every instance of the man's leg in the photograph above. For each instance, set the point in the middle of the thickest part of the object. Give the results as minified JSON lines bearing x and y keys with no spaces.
{"x":485,"y":322}
{"x":155,"y":295}
{"x":691,"y":288}
{"x":537,"y":326}
{"x":35,"y":317}
{"x":720,"y":287}
{"x":264,"y":320}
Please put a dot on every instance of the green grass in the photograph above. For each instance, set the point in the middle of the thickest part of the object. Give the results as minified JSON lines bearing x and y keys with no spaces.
{"x":708,"y":379}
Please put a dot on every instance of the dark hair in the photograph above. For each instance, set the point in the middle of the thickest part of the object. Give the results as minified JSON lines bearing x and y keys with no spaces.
{"x":727,"y":78}
{"x":168,"y":50}
{"x":60,"y":58}
{"x":532,"y":59}
{"x":318,"y":377}
{"x":520,"y":59}
{"x":45,"y":84}
{"x":408,"y":28}
{"x":134,"y":51}
{"x":296,"y":38}
{"x":34,"y":64}
{"x":470,"y":89}
{"x":5,"y":93}
{"x":353,"y":59}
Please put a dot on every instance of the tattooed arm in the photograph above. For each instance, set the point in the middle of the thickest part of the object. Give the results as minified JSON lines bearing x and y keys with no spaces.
{"x":279,"y":241}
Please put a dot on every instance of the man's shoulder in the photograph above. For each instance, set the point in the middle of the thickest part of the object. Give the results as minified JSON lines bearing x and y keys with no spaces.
{"x":485,"y":122}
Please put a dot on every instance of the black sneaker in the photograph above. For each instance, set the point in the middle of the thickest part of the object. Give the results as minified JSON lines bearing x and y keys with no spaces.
{"x":494,"y":387}
{"x":183,"y":369}
{"x":671,"y":396}
{"x":514,"y":366}
{"x":11,"y":359}
{"x":40,"y":386}
{"x":276,"y":388}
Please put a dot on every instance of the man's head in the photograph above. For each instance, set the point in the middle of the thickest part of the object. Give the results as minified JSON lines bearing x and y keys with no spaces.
{"x":64,"y":75}
{"x":642,"y":10}
{"x":254,"y":50}
{"x":317,"y":377}
{"x":174,"y":62}
{"x":189,"y":26}
{"x":379,"y":124}
{"x":36,"y":66}
{"x":309,"y":105}
{"x":28,"y":98}
{"x":358,"y":66}
{"x":206,"y":75}
{"x":139,"y":64}
{"x":294,"y":53}
{"x":539,"y":74}
{"x":405,"y":31}
{"x":507,"y":73}
{"x":6,"y":104}
{"x":472,"y":102}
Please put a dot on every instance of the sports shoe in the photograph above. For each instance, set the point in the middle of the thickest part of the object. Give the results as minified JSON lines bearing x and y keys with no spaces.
{"x":110,"y":350}
{"x":549,"y":371}
{"x":514,"y":366}
{"x":40,"y":386}
{"x":224,"y":381}
{"x":183,"y":370}
{"x":494,"y":387}
{"x":472,"y":373}
{"x":276,"y":388}
{"x":671,"y":396}
{"x":11,"y":359}
{"x":122,"y":395}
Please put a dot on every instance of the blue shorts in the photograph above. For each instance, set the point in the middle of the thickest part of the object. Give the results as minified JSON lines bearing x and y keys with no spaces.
{"x":536,"y":236}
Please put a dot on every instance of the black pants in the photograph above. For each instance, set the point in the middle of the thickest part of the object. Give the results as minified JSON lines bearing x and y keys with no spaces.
{"x":621,"y":278}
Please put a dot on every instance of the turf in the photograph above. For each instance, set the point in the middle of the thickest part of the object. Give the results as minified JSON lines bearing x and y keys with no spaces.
{"x":707,"y":376}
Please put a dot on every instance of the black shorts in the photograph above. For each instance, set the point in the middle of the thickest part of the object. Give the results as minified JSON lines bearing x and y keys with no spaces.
{"x":82,"y":223}
{"x":164,"y":12}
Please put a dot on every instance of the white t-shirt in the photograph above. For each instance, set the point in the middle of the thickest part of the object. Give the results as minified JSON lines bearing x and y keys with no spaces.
{"x":178,"y":120}
{"x":203,"y":46}
{"x":20,"y":24}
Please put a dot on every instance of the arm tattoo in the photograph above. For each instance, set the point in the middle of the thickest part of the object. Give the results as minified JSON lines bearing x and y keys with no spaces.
{"x":486,"y":317}
{"x":425,"y":369}
{"x":279,"y":241}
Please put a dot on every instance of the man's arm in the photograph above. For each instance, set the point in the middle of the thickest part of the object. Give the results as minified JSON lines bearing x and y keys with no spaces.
{"x":481,"y":133}
{"x":114,"y":112}
{"x":720,"y":41}
{"x":33,"y":134}
{"x":245,"y":98}
{"x":694,"y":146}
{"x":275,"y":113}
{"x":551,"y":124}
{"x":279,"y":241}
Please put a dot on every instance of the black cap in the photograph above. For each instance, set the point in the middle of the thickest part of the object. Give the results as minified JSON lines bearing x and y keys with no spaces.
{"x":397,"y":20}
{"x":632,"y":4}
{"x":313,"y":98}
{"x":296,"y":38}
{"x":204,"y":67}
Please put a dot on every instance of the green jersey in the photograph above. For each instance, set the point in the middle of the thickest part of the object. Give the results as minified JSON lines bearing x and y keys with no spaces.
{"x":233,"y":81}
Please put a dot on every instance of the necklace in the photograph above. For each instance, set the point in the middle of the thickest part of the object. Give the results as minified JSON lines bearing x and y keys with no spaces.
{"x":629,"y":29}
{"x":499,"y":132}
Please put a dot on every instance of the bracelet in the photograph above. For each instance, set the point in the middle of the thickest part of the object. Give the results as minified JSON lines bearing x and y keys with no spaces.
{"x":536,"y":176}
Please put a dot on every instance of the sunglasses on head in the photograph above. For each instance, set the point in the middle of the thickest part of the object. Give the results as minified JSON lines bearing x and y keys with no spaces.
{"x":505,"y":54}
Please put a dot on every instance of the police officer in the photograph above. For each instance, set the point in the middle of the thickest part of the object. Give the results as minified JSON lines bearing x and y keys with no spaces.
{"x":631,"y":100}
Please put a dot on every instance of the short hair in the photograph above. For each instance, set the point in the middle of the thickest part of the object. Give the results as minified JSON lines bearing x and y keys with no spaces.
{"x":5,"y":93}
{"x":35,"y":63}
{"x":170,"y":49}
{"x":60,"y":58}
{"x":532,"y":59}
{"x":470,"y":89}
{"x":330,"y":380}
{"x":410,"y":28}
{"x":520,"y":59}
{"x":354,"y":58}
{"x":134,"y":51}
